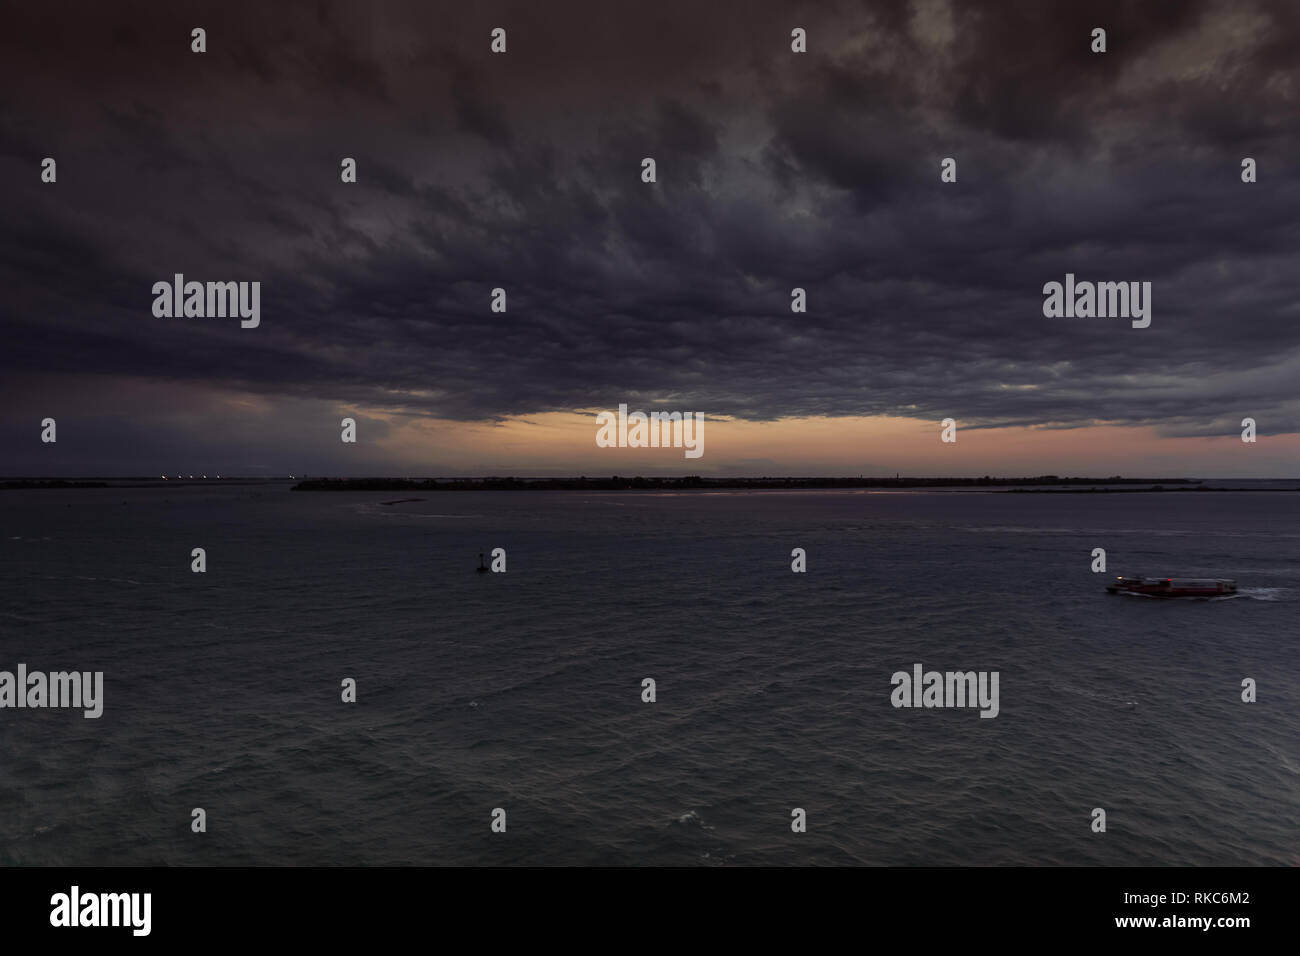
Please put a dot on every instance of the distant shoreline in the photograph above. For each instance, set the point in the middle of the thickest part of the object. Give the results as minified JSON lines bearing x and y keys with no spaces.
{"x":1042,"y":484}
{"x":693,"y":483}
{"x":1128,"y":491}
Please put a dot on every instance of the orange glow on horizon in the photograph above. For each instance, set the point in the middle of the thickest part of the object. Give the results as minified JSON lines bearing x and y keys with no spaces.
{"x":563,"y":443}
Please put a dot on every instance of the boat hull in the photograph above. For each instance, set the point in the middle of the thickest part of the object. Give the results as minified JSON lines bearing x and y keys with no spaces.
{"x":1173,"y":587}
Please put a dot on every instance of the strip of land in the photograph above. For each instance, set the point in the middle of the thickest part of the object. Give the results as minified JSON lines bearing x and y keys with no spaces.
{"x":1041,"y":484}
{"x":695,"y":482}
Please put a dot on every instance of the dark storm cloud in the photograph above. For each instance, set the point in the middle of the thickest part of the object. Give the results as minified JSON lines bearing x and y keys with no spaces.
{"x":475,"y":114}
{"x":775,"y":170}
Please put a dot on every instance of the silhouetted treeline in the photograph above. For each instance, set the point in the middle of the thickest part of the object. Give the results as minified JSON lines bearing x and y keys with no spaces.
{"x":1122,"y":491}
{"x":617,"y":483}
{"x":54,"y":483}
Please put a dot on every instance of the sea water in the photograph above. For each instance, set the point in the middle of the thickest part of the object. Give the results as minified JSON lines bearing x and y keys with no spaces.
{"x":523,"y":690}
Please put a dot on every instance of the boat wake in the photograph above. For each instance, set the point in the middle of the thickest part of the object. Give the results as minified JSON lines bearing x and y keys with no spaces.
{"x":1259,"y":594}
{"x":1254,"y":594}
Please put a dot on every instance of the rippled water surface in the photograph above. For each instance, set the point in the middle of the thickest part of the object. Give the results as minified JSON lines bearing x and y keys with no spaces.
{"x":523,"y":690}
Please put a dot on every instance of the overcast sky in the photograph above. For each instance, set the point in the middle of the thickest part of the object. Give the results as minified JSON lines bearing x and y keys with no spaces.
{"x":775,"y":170}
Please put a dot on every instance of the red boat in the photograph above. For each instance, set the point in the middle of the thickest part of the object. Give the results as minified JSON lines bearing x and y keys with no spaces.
{"x":1173,"y":587}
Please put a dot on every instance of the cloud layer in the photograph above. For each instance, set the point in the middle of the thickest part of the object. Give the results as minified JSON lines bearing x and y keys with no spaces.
{"x":775,"y":170}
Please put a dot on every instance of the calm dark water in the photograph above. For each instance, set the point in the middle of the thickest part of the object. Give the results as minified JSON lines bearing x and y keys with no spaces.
{"x":523,"y":690}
